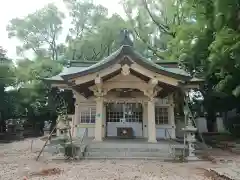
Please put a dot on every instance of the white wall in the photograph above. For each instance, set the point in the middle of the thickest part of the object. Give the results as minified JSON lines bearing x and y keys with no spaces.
{"x":164,"y":132}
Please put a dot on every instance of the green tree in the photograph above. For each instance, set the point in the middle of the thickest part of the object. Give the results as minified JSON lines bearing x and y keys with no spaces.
{"x":103,"y":41}
{"x":155,"y":22}
{"x":85,"y":17}
{"x":6,"y":80}
{"x":38,"y":31}
{"x":224,"y":50}
{"x":208,"y":45}
{"x":30,"y":98}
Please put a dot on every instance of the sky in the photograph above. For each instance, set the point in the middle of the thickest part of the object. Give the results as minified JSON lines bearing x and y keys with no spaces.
{"x":19,"y":8}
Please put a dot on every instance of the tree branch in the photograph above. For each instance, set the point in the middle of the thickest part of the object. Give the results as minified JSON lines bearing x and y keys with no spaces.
{"x":155,"y":51}
{"x":80,"y":38}
{"x":95,"y":54}
{"x":162,"y":27}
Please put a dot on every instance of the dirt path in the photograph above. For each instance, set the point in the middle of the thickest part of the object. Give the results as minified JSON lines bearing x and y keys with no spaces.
{"x":17,"y":161}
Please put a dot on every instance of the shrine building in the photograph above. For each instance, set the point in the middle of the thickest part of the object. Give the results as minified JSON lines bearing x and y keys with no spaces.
{"x":125,"y":95}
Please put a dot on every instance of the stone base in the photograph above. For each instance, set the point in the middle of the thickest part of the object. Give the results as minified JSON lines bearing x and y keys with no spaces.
{"x":152,"y":141}
{"x":192,"y":158}
{"x":46,"y":133}
{"x":97,"y":140}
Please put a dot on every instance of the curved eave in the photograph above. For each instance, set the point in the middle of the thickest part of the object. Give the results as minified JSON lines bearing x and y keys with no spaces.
{"x":50,"y":81}
{"x":197,"y":80}
{"x":118,"y":57}
{"x":56,"y":83}
{"x":194,"y":83}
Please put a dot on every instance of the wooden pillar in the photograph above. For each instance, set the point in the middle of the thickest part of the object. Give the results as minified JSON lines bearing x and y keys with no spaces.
{"x":151,"y":121}
{"x":145,"y":120}
{"x":171,"y":117}
{"x":76,"y":120}
{"x":104,"y":121}
{"x":151,"y":93}
{"x":99,"y":119}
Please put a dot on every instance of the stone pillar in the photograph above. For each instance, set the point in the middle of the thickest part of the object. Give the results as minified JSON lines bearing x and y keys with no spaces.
{"x":189,"y":130}
{"x":151,"y":121}
{"x":99,"y":119}
{"x":172,"y":117}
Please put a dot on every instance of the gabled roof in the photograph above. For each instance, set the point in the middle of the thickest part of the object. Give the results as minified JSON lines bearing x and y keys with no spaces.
{"x":124,"y":55}
{"x":118,"y":57}
{"x":66,"y":71}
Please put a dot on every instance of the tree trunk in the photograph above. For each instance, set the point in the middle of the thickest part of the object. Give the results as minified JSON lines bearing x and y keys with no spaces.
{"x":211,"y":120}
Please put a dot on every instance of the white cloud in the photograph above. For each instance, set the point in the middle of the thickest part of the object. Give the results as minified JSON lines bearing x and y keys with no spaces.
{"x":20,"y":8}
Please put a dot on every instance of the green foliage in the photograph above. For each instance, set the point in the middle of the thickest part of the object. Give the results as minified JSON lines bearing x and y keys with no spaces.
{"x":29,"y":74}
{"x":38,"y":30}
{"x":6,"y":79}
{"x":6,"y":70}
{"x":93,"y":34}
{"x":203,"y":35}
{"x":224,"y":59}
{"x":31,"y":94}
{"x":85,"y":18}
{"x":95,"y":45}
{"x":155,"y":22}
{"x":209,"y":43}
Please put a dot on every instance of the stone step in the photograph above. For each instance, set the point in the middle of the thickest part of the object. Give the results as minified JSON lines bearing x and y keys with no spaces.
{"x":107,"y":153}
{"x":133,"y":145}
{"x":122,"y":158}
{"x":89,"y":149}
{"x":126,"y":154}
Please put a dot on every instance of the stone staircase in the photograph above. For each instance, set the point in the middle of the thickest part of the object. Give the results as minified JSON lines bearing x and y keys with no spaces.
{"x":121,"y":149}
{"x":132,"y":150}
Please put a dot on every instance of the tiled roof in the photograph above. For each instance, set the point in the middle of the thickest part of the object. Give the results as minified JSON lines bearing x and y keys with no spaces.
{"x":83,"y":68}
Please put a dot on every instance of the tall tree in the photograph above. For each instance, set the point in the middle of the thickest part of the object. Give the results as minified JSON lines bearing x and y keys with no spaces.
{"x":31,"y":95}
{"x":208,"y":43}
{"x":102,"y":41}
{"x":224,"y":50}
{"x":85,"y":17}
{"x":155,"y":22}
{"x":193,"y":36}
{"x":38,"y":31}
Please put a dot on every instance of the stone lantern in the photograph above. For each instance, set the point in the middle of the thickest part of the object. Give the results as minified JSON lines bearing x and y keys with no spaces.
{"x":189,"y":134}
{"x":62,"y":129}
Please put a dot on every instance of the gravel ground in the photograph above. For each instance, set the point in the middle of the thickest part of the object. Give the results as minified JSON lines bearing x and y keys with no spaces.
{"x":17,"y":161}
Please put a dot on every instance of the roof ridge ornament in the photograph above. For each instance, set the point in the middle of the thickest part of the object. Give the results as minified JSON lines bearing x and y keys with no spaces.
{"x":125,"y":70}
{"x":126,"y":37}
